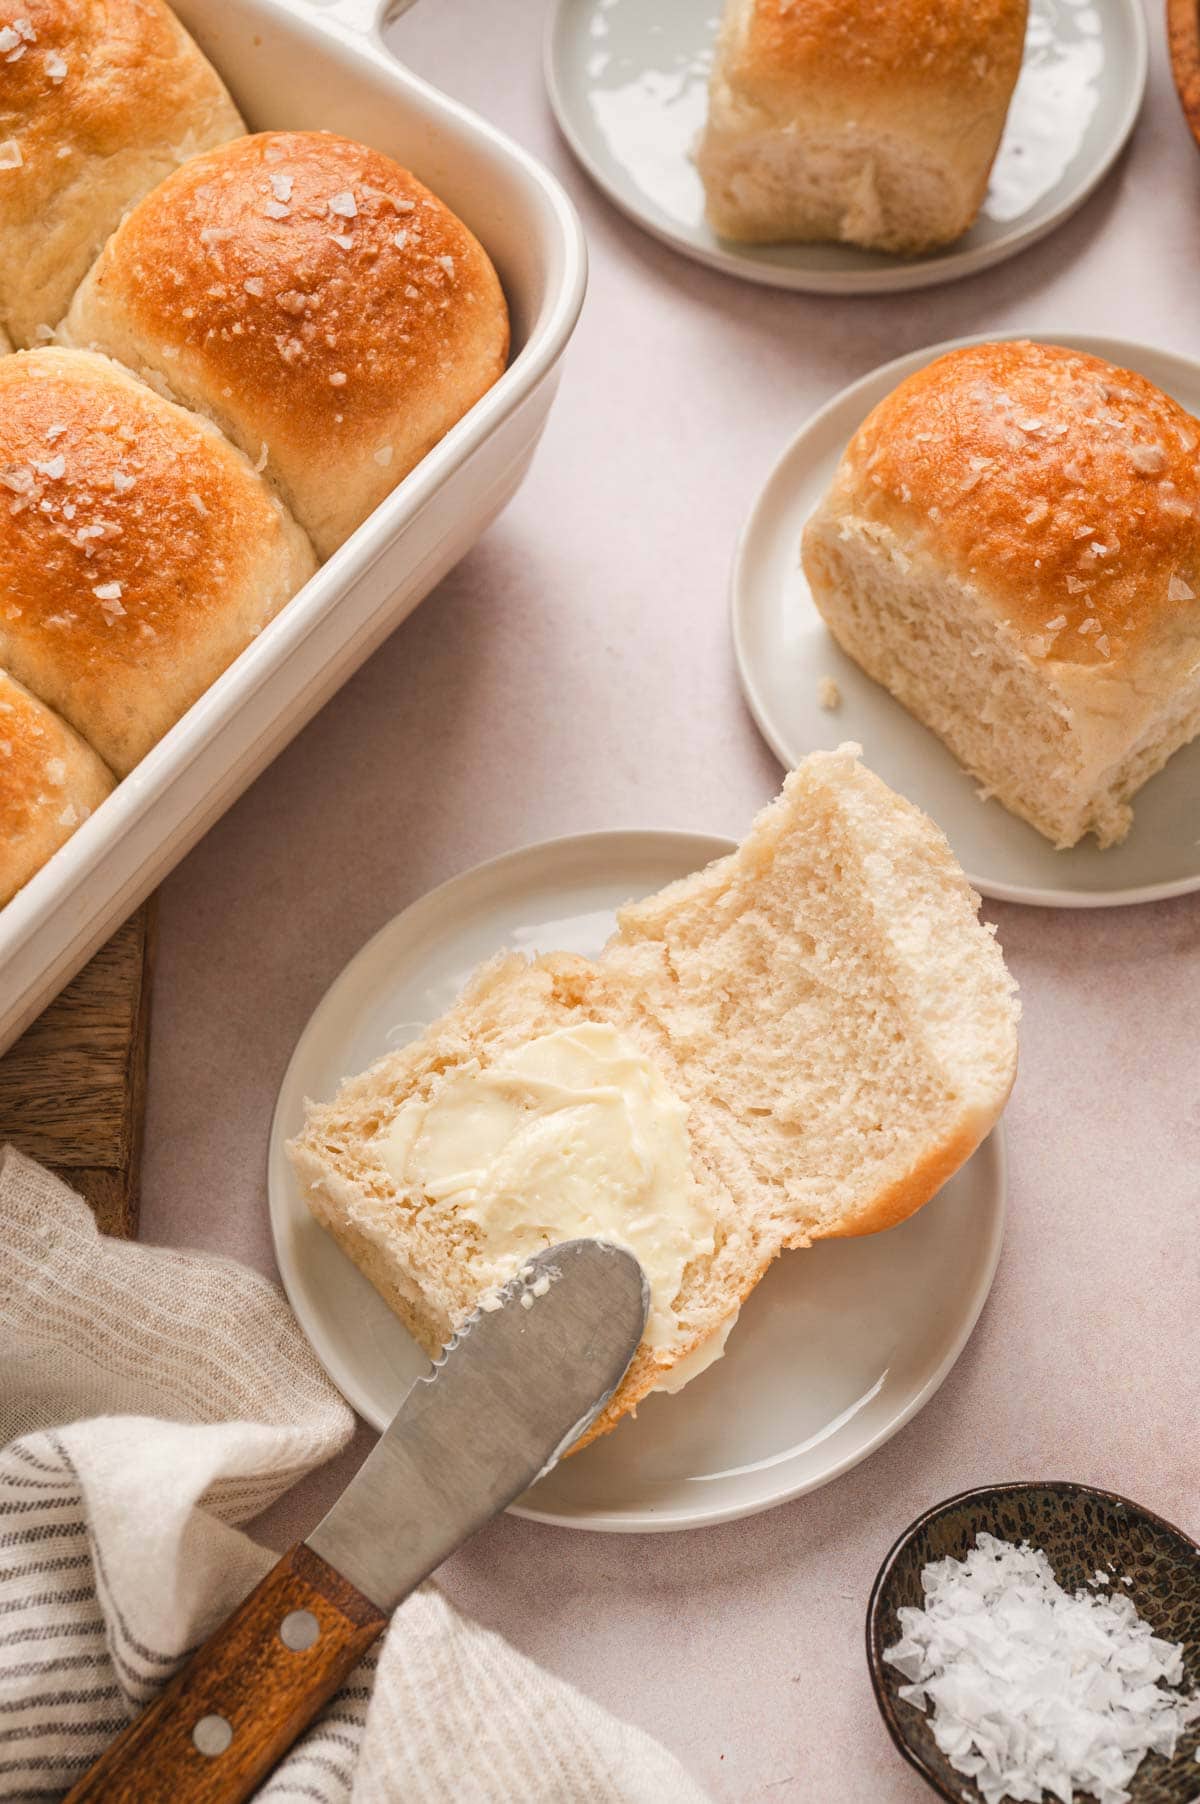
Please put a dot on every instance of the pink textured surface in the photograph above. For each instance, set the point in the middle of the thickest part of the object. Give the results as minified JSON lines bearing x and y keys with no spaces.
{"x":574,"y":673}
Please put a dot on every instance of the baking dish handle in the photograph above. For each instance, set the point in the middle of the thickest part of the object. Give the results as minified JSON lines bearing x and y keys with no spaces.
{"x":367,"y":17}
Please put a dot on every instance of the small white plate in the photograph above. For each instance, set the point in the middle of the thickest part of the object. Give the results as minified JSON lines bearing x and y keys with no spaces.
{"x":836,"y":1349}
{"x":783,"y":651}
{"x":628,"y":83}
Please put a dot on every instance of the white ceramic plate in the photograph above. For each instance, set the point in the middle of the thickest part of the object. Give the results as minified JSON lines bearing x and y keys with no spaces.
{"x":783,"y":650}
{"x":627,"y":81}
{"x":835,"y":1351}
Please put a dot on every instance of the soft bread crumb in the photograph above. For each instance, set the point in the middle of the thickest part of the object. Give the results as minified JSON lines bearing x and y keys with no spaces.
{"x":829,"y":696}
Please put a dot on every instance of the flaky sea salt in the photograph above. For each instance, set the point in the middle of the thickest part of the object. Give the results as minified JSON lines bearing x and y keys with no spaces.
{"x":1149,"y":460}
{"x":1034,"y":1692}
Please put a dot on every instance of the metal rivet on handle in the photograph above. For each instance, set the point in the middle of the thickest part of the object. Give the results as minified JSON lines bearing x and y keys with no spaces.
{"x":299,"y":1630}
{"x":212,"y":1735}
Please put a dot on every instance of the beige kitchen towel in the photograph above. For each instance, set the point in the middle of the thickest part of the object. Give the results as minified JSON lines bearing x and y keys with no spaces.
{"x":152,"y":1400}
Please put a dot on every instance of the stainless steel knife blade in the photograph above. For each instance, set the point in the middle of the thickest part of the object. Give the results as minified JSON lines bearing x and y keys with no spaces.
{"x":515,"y":1388}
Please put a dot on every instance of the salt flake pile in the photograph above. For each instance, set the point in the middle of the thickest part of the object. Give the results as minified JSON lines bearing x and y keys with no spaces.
{"x":1033,"y":1691}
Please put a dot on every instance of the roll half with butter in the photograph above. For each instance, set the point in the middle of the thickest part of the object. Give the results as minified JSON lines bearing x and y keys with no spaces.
{"x":574,"y":1134}
{"x":766,"y":1054}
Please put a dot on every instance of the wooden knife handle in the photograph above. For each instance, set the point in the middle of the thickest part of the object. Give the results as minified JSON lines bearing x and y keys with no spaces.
{"x":238,"y":1705}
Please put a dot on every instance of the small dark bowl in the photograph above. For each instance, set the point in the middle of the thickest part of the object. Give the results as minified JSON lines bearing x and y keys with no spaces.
{"x":1079,"y":1530}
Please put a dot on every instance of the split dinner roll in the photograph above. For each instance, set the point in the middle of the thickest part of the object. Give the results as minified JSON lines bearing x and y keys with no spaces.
{"x":311,"y":297}
{"x":49,"y":783}
{"x":820,"y":1024}
{"x":874,"y":122}
{"x":1011,"y":545}
{"x":99,"y":100}
{"x":139,"y":551}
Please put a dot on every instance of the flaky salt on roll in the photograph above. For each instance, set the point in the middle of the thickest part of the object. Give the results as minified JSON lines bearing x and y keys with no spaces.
{"x":50,"y":781}
{"x":316,"y":301}
{"x":1011,"y":545}
{"x":139,"y":551}
{"x":100,"y":101}
{"x":873,"y":122}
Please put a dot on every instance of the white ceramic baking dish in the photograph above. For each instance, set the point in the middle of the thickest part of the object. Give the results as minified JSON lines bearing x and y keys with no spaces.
{"x":298,"y":63}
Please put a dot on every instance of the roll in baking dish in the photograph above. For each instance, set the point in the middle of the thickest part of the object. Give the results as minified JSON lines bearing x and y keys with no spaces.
{"x":139,"y":551}
{"x":310,"y":296}
{"x":101,"y":99}
{"x":50,"y":781}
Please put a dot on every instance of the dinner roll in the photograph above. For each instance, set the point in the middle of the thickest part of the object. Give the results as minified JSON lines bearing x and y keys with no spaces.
{"x":139,"y":551}
{"x":870,"y":121}
{"x":49,"y":783}
{"x":310,"y":296}
{"x":1011,"y":545}
{"x":824,"y":1029}
{"x":101,"y":98}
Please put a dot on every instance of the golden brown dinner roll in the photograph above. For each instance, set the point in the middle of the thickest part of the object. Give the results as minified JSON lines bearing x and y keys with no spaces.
{"x":310,"y":296}
{"x":870,"y":121}
{"x":1012,"y":546}
{"x":49,"y":783}
{"x":139,"y":551}
{"x":100,"y":99}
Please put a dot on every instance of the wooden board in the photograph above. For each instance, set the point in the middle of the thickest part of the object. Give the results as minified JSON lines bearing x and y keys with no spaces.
{"x":73,"y":1087}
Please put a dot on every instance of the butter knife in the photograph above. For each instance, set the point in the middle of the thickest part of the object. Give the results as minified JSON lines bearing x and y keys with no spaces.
{"x":518,"y":1385}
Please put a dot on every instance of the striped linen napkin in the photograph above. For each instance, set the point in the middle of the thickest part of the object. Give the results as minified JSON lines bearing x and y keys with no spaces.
{"x":151,"y":1401}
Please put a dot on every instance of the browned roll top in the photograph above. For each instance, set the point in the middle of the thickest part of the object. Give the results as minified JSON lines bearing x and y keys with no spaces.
{"x":139,"y":552}
{"x":1069,"y":484}
{"x":49,"y":783}
{"x":99,"y":100}
{"x":319,"y":303}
